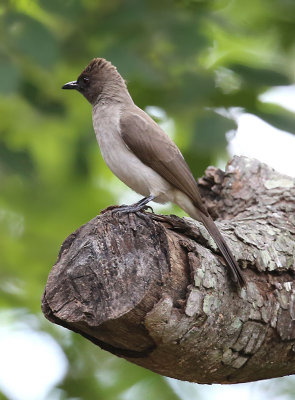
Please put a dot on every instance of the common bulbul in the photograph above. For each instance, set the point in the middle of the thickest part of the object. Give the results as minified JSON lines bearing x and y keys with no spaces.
{"x":140,"y":153}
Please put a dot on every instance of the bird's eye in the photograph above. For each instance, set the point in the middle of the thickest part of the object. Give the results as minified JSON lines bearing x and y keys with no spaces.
{"x":86,"y":80}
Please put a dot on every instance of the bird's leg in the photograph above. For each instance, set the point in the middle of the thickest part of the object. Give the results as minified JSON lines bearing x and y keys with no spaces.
{"x":136,"y":207}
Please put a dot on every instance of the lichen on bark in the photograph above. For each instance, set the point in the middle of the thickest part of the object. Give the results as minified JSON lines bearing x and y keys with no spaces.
{"x":155,"y":290}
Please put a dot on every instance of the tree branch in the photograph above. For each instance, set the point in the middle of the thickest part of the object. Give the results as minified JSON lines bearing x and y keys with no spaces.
{"x":155,"y":289}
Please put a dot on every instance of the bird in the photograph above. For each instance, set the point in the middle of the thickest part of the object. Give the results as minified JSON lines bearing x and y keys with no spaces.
{"x":141,"y":154}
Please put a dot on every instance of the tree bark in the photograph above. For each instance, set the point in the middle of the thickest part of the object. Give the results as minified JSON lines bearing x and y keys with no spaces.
{"x":156,"y":291}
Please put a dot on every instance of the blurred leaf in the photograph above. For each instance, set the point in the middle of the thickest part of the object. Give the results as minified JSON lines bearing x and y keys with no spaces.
{"x":208,"y":140}
{"x":260,"y":76}
{"x":277,"y":116}
{"x":2,"y":397}
{"x":70,"y":9}
{"x":10,"y":76}
{"x":30,"y":38}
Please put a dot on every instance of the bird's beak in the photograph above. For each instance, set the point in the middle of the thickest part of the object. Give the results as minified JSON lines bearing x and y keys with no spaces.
{"x":71,"y":85}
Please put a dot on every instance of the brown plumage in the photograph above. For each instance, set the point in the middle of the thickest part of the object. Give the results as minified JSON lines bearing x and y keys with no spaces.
{"x":149,"y":143}
{"x":140,"y":153}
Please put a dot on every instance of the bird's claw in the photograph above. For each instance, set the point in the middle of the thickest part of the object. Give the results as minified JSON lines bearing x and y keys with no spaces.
{"x":131,"y":209}
{"x":145,"y":208}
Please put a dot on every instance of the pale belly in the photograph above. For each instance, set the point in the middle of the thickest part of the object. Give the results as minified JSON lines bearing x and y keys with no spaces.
{"x":122,"y":162}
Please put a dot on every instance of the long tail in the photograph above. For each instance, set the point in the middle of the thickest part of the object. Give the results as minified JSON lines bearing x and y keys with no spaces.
{"x":235,"y":270}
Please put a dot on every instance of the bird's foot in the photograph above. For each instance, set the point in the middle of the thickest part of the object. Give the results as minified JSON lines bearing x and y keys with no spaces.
{"x":138,"y":207}
{"x":124,"y":209}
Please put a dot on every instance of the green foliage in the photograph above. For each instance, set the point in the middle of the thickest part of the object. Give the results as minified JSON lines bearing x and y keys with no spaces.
{"x":187,"y":57}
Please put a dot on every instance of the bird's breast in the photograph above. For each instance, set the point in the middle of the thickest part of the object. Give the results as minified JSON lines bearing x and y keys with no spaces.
{"x":121,"y":161}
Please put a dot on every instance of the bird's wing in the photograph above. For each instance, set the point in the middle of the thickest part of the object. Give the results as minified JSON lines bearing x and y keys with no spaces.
{"x":154,"y":148}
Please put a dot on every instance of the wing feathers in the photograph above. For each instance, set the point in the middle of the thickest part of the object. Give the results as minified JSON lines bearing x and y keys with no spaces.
{"x":155,"y":149}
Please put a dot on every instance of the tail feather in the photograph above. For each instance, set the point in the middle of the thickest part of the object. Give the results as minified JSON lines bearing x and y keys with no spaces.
{"x":235,"y":270}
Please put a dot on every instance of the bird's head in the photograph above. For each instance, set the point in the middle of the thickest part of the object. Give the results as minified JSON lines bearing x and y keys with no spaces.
{"x":96,"y":78}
